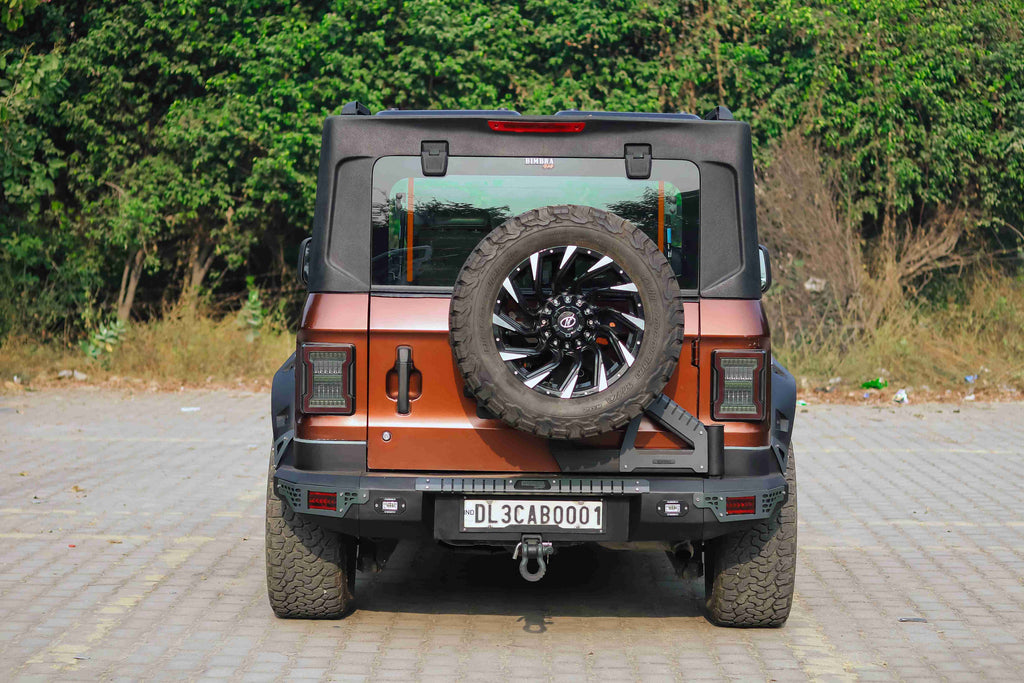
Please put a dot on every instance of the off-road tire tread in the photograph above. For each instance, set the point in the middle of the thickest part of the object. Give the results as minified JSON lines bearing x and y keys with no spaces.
{"x":310,"y":570}
{"x":518,"y":415}
{"x":750,"y":575}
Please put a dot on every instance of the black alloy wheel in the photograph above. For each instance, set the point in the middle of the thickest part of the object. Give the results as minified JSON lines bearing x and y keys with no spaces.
{"x":568,"y":321}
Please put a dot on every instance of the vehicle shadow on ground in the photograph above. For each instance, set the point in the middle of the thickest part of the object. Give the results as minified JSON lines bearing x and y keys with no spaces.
{"x":582,"y":581}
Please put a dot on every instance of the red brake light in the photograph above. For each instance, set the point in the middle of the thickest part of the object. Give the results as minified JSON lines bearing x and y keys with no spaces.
{"x":738,"y":385}
{"x":537,"y":126}
{"x":322,"y":500}
{"x":739,"y":505}
{"x":327,"y":378}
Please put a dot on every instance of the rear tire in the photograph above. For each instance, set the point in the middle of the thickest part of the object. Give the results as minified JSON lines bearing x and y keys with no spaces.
{"x":310,"y":570}
{"x":749,"y":576}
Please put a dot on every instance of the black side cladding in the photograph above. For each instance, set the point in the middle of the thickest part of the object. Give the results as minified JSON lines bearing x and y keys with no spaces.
{"x":341,"y":247}
{"x":783,"y":411}
{"x":282,"y":399}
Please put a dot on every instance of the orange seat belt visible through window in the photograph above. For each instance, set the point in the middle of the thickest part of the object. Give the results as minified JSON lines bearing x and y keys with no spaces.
{"x":408,"y":236}
{"x":661,"y":214}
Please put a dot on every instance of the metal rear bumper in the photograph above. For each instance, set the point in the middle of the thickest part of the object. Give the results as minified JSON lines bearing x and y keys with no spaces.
{"x":422,"y":505}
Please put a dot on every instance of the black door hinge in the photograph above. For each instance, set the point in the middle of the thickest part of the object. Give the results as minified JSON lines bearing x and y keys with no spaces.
{"x":355,"y":109}
{"x":719,"y":113}
{"x":434,"y":157}
{"x":638,"y":161}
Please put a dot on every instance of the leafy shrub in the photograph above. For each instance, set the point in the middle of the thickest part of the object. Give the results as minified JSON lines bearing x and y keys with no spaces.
{"x":102,"y":342}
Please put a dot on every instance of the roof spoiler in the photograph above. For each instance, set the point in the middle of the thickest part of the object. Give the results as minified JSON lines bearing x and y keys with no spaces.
{"x":719,"y":113}
{"x":360,"y":109}
{"x":627,"y":114}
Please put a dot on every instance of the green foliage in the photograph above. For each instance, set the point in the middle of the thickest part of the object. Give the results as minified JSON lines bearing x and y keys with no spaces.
{"x":174,"y":143}
{"x":102,"y":342}
{"x":253,"y":312}
{"x":46,"y":276}
{"x":29,"y":162}
{"x":12,"y":12}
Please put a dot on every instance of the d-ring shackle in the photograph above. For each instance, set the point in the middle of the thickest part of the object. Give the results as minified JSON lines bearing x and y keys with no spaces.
{"x":532,"y":547}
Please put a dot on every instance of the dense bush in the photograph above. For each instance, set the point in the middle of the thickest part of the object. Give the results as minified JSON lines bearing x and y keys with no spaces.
{"x":156,"y":153}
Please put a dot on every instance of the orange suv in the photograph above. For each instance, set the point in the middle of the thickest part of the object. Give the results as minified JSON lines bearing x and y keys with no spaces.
{"x":527,"y":333}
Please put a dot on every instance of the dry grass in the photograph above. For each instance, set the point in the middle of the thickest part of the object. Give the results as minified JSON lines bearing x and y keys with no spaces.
{"x":927,"y":349}
{"x":844,"y":306}
{"x":181,"y":350}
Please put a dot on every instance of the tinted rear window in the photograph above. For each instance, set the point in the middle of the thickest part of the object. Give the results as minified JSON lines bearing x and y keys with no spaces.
{"x":424,"y":228}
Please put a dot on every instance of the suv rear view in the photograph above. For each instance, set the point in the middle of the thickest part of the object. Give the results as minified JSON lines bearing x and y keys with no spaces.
{"x":529,"y":333}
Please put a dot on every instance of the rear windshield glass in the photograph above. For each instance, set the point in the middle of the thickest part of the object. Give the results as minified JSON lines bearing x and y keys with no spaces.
{"x":425,"y":227}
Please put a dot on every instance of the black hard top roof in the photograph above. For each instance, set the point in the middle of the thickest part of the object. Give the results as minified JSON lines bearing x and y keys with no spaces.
{"x":448,"y":112}
{"x":352,"y":142}
{"x":718,"y":113}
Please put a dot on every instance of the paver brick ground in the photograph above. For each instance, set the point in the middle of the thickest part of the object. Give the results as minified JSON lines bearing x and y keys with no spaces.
{"x":131,"y":546}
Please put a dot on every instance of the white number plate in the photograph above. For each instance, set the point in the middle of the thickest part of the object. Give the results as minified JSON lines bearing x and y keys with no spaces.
{"x":561,"y":514}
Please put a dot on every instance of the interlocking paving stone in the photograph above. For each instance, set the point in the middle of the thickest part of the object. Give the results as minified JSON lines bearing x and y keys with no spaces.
{"x":132,"y":537}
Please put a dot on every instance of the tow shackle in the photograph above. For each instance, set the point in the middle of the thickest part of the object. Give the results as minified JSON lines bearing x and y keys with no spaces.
{"x":532,"y":547}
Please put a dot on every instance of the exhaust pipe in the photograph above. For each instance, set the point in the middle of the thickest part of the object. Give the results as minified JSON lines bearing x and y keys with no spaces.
{"x":686,"y":560}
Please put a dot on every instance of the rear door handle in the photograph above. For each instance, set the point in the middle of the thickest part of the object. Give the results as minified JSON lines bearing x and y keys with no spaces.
{"x":404,"y":367}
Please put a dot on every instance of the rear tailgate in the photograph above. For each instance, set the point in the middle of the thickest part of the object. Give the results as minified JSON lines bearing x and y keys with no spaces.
{"x":443,"y":431}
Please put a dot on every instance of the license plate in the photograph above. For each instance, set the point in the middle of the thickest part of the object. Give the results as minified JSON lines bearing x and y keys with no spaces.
{"x":559,"y":514}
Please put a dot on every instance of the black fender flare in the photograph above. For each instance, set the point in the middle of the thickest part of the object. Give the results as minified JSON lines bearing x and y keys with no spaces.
{"x":783,"y":411}
{"x":282,"y":408}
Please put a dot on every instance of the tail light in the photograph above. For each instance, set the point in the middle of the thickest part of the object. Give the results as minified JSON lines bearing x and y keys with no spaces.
{"x":740,"y":505}
{"x":322,"y":500}
{"x":739,"y":385}
{"x":327,"y":378}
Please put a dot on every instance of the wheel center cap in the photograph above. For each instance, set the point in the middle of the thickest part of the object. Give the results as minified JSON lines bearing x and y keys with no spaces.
{"x":568,"y":321}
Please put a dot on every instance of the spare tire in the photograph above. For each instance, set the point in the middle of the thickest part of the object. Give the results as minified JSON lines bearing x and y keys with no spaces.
{"x":566,"y":321}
